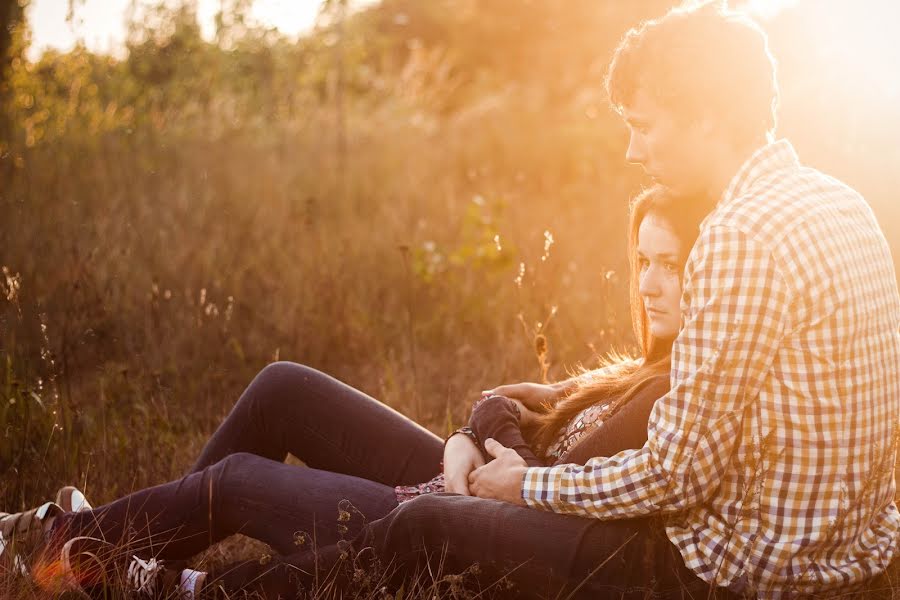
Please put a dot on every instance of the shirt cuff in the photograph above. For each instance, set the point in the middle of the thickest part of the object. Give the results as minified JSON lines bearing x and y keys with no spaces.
{"x":540,"y":487}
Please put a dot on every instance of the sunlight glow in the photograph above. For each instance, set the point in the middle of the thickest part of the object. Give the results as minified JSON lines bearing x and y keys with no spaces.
{"x":765,"y":9}
{"x":100,"y":24}
{"x":852,"y":51}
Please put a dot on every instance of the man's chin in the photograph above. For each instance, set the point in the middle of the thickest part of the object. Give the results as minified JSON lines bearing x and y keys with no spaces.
{"x":679,"y":189}
{"x":666,"y":185}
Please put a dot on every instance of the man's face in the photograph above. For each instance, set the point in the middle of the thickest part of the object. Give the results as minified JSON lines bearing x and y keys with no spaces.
{"x":669,"y":151}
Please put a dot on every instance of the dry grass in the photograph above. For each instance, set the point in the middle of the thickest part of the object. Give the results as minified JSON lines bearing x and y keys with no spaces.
{"x":148,"y":282}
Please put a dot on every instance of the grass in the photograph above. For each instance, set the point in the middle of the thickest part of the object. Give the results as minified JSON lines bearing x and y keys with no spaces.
{"x":152,"y":274}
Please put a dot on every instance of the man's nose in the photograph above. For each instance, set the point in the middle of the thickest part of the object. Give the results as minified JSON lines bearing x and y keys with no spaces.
{"x":635,"y":152}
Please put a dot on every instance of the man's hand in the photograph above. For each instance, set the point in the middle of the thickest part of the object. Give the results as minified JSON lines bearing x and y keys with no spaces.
{"x":500,"y":479}
{"x":532,"y":395}
{"x":461,"y":457}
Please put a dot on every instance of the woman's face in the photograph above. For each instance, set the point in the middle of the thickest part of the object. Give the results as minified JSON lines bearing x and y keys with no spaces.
{"x":661,"y":259}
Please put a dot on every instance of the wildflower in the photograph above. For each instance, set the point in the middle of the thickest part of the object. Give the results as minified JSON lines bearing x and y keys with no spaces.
{"x":548,"y":242}
{"x":521,"y":275}
{"x":540,"y":344}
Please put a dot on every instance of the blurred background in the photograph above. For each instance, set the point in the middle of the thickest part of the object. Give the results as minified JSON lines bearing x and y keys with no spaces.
{"x":411,"y":195}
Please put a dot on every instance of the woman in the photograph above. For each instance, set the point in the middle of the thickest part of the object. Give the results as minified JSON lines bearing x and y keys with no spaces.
{"x":361,"y":451}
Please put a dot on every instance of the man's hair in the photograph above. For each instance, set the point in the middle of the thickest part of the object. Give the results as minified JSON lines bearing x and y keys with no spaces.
{"x":700,"y":61}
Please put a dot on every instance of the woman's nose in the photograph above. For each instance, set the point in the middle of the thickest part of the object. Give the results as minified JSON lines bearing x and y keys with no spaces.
{"x":649,"y":282}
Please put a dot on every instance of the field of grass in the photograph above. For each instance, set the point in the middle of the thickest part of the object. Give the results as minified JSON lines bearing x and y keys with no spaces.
{"x":172,"y":222}
{"x":146,"y":283}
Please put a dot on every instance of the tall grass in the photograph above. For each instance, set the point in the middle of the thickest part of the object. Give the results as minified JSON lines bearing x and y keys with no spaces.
{"x":155,"y":277}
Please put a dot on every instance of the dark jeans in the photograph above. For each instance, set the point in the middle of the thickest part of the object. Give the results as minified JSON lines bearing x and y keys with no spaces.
{"x":545,"y":555}
{"x":356,"y":448}
{"x":519,"y":552}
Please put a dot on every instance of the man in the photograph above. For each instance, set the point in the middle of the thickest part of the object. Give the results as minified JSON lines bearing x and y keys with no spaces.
{"x":769,"y":465}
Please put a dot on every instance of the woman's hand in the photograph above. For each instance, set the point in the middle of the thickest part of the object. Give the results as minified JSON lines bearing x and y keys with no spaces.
{"x":533,"y":396}
{"x":461,"y":457}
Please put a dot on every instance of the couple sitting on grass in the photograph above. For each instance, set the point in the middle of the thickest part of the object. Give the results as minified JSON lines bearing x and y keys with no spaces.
{"x":749,"y":450}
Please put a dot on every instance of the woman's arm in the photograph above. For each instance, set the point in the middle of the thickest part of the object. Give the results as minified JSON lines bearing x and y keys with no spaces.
{"x":535,"y":395}
{"x":461,"y":457}
{"x":500,"y":418}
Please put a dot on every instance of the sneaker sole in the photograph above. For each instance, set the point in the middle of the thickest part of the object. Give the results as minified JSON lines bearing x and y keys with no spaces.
{"x":82,"y":565}
{"x":71,"y":499}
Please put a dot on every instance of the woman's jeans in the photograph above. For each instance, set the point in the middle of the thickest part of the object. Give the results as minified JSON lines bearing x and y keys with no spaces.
{"x":356,"y":449}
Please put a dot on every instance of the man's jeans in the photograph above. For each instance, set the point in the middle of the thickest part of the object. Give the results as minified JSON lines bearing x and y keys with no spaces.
{"x":545,"y":555}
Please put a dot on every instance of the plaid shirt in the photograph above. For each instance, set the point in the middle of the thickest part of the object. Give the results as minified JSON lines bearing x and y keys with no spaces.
{"x":772,"y":456}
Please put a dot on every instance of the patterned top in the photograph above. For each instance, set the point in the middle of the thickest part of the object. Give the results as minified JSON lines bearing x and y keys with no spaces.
{"x":584,"y":421}
{"x":404,"y":493}
{"x":773,"y":453}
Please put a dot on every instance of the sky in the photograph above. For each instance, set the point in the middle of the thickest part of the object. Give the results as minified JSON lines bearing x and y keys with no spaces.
{"x":101,"y":23}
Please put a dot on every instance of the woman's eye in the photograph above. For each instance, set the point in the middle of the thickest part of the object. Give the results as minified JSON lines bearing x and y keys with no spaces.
{"x":643,"y":263}
{"x":672,"y":268}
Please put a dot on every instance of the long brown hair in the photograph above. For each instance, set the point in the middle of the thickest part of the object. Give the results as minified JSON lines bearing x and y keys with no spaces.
{"x":623,"y":375}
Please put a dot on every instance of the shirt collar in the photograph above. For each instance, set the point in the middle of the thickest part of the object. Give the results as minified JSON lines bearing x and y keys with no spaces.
{"x":766,"y":160}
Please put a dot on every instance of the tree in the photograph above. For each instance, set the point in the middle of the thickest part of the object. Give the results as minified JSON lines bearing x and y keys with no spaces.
{"x":12,"y":13}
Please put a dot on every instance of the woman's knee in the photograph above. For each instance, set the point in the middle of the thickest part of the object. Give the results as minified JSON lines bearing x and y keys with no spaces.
{"x":279,"y":384}
{"x":236,"y":466}
{"x":285,"y":372}
{"x":240,"y":475}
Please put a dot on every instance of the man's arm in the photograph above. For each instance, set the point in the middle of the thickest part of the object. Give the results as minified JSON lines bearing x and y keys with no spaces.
{"x":737,"y":301}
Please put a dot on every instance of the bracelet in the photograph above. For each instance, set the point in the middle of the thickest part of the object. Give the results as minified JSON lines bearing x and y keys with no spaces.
{"x":469,"y":433}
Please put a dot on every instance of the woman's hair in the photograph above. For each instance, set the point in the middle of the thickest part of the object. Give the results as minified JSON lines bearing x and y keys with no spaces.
{"x":699,"y":60}
{"x":622,"y":375}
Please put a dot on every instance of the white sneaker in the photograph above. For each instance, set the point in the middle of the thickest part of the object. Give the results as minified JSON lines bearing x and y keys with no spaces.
{"x":71,"y":499}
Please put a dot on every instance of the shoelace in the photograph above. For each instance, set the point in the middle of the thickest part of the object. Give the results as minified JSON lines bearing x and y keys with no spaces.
{"x":142,"y":575}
